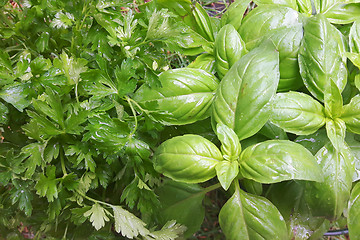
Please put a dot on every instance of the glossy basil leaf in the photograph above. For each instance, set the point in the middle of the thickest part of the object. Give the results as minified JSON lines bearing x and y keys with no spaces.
{"x":181,"y":202}
{"x":322,"y":6}
{"x":205,"y":61}
{"x":354,"y":37}
{"x":264,"y":19}
{"x":241,"y":218}
{"x":333,"y":100}
{"x":357,"y":81}
{"x":353,"y":142}
{"x":329,"y":198}
{"x":203,"y":22}
{"x":228,"y":49}
{"x":336,"y":130}
{"x":226,"y":172}
{"x":251,"y":186}
{"x":297,"y":113}
{"x":287,"y":3}
{"x":234,"y":14}
{"x":288,"y":197}
{"x":272,"y":131}
{"x":320,"y":57}
{"x":305,"y":7}
{"x":185,"y":96}
{"x":287,"y":41}
{"x":354,"y":212}
{"x":351,"y":115}
{"x":343,"y":13}
{"x":188,"y":158}
{"x":354,"y":58}
{"x":245,"y":90}
{"x":230,"y":144}
{"x":271,"y":162}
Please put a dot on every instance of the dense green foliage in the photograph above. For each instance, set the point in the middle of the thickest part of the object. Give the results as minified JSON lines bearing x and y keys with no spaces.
{"x":103,"y":124}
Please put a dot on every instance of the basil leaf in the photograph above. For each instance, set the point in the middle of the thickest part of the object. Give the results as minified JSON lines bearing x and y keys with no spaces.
{"x":230,"y":144}
{"x":241,"y":219}
{"x":357,"y":81}
{"x":228,"y":49}
{"x":287,"y":3}
{"x":329,"y":198}
{"x":343,"y":13}
{"x":305,"y":7}
{"x":354,"y":58}
{"x":226,"y":172}
{"x":320,"y":57}
{"x":287,"y":41}
{"x":189,"y":158}
{"x":203,"y":23}
{"x":336,"y":130}
{"x":185,"y":96}
{"x":333,"y":100}
{"x":297,"y":113}
{"x":351,"y":115}
{"x":205,"y":61}
{"x":353,"y":142}
{"x":181,"y":202}
{"x":234,"y":14}
{"x":354,"y":37}
{"x":322,"y":6}
{"x":245,"y":90}
{"x":354,"y":212}
{"x":264,"y":19}
{"x":271,"y":162}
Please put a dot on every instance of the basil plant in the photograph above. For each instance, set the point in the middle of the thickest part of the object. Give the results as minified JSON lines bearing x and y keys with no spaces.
{"x":279,"y":90}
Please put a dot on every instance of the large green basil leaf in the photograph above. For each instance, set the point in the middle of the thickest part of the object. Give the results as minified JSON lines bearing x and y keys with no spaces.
{"x":189,"y":158}
{"x":203,"y":22}
{"x":226,"y":172}
{"x":185,"y":96}
{"x":343,"y":13}
{"x":354,"y":58}
{"x":336,"y":130}
{"x":287,"y":3}
{"x":264,"y":19}
{"x":354,"y":37}
{"x":205,"y":61}
{"x":278,"y":160}
{"x":228,"y":49}
{"x":234,"y":14}
{"x":287,"y":41}
{"x":230,"y":144}
{"x":329,"y":198}
{"x":181,"y":202}
{"x":354,"y":213}
{"x":351,"y":115}
{"x":245,"y":90}
{"x":288,"y":197}
{"x":353,"y":141}
{"x":250,"y":217}
{"x":333,"y":100}
{"x":320,"y":57}
{"x":297,"y":113}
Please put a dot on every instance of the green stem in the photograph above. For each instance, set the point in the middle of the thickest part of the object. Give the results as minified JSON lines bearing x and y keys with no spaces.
{"x":62,"y":160}
{"x":134,"y":113}
{"x":94,"y":200}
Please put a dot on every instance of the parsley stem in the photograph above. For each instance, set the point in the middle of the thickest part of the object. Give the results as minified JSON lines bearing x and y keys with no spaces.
{"x":94,"y":200}
{"x":134,"y":113}
{"x":62,"y":160}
